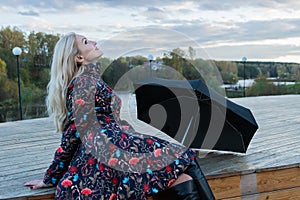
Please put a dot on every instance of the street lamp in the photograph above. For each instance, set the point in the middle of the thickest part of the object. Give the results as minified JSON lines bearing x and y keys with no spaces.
{"x":17,"y":52}
{"x":150,"y":58}
{"x":244,"y":59}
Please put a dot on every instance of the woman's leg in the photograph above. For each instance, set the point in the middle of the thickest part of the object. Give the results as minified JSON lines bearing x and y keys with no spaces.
{"x":191,"y":185}
{"x":184,"y":188}
{"x":182,"y":178}
{"x":202,"y":185}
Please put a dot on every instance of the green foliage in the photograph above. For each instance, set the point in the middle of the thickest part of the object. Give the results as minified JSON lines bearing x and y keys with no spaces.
{"x":250,"y":71}
{"x":264,"y":87}
{"x":10,"y":38}
{"x":115,"y":71}
{"x":34,"y":67}
{"x":3,"y":71}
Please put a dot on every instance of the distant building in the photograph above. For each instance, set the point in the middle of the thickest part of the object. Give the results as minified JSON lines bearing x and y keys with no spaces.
{"x":248,"y":83}
{"x":238,"y":85}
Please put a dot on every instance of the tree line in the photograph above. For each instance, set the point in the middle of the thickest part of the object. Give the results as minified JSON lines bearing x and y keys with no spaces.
{"x":38,"y":49}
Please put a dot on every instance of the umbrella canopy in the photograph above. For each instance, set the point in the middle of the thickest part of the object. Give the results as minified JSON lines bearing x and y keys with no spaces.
{"x":194,"y":114}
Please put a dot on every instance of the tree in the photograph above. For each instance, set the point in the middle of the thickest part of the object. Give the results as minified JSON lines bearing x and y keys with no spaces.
{"x":10,"y":38}
{"x":192,"y":53}
{"x":115,"y":71}
{"x":40,"y":50}
{"x":3,"y":80}
{"x":228,"y":70}
{"x":34,"y":67}
{"x":3,"y":71}
{"x":175,"y":59}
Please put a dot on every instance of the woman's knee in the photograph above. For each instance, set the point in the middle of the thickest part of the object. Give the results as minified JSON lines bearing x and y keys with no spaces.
{"x":182,"y":178}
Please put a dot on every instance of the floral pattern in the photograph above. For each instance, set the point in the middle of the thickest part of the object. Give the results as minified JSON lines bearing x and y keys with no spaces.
{"x":102,"y":157}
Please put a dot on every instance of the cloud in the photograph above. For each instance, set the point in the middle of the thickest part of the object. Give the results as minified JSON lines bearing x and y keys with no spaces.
{"x":221,"y":26}
{"x":28,"y":13}
{"x":153,"y":13}
{"x":236,"y":4}
{"x":253,"y":52}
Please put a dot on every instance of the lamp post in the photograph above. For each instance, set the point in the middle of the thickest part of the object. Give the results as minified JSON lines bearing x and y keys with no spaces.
{"x":244,"y":59}
{"x":17,"y":52}
{"x":150,"y":58}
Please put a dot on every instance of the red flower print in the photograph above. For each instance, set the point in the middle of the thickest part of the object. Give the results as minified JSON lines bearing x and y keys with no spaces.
{"x":126,"y":128}
{"x":101,"y":167}
{"x":123,"y":135}
{"x":60,"y":149}
{"x":107,"y":119}
{"x":133,"y":161}
{"x":49,"y":171}
{"x":149,"y":141}
{"x":171,"y":182}
{"x":91,"y":135}
{"x":66,"y":183}
{"x":168,"y":168}
{"x":112,"y":161}
{"x":112,"y":147}
{"x":91,"y":161}
{"x":73,"y":169}
{"x":80,"y":102}
{"x":150,"y":162}
{"x":70,"y":86}
{"x":112,"y":196}
{"x":157,"y":152}
{"x":192,"y":157}
{"x":73,"y":127}
{"x":86,"y":191}
{"x":146,"y":187}
{"x":115,"y":181}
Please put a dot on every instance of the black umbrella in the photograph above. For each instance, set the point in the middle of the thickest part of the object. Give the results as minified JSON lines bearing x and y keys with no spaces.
{"x":194,"y":114}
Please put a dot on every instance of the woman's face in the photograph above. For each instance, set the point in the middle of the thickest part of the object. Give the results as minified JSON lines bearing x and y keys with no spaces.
{"x":88,"y":50}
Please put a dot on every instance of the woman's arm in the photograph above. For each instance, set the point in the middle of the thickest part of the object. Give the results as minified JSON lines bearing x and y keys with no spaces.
{"x":70,"y":141}
{"x":63,"y":155}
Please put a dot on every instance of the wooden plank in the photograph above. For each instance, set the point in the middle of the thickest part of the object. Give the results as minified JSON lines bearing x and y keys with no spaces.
{"x":255,"y":161}
{"x":17,"y":139}
{"x":225,"y":187}
{"x":254,"y":183}
{"x":28,"y":151}
{"x":42,"y":194}
{"x":285,"y":194}
{"x":278,"y":179}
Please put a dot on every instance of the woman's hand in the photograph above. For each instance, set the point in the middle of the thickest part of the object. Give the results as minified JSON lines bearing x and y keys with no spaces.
{"x":36,"y":184}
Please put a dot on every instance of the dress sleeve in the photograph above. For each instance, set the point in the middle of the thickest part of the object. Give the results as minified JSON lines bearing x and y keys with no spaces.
{"x":113,"y":146}
{"x":70,"y":141}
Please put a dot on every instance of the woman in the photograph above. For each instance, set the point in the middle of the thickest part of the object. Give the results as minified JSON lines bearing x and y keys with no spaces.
{"x":98,"y":157}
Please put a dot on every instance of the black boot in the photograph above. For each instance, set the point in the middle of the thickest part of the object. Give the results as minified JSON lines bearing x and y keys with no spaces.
{"x":183,"y":191}
{"x":203,"y":188}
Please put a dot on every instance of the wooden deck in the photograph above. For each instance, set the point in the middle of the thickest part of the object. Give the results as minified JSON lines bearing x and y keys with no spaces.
{"x":269,"y":170}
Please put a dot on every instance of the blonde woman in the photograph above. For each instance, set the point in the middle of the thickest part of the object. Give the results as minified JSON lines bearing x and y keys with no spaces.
{"x":98,"y":157}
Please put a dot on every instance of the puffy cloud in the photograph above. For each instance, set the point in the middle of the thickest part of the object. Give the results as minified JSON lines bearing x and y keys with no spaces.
{"x":29,"y":13}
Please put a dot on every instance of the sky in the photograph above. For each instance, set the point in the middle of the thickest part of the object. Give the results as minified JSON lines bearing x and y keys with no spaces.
{"x":260,"y":30}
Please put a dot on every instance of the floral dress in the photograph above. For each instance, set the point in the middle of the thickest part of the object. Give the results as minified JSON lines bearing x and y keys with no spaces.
{"x":100,"y":159}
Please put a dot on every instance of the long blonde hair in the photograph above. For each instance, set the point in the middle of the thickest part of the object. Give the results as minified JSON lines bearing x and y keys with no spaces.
{"x":63,"y":69}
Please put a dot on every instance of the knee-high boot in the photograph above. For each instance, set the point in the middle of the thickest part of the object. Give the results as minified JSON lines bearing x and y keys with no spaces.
{"x":203,"y":188}
{"x":183,"y":191}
